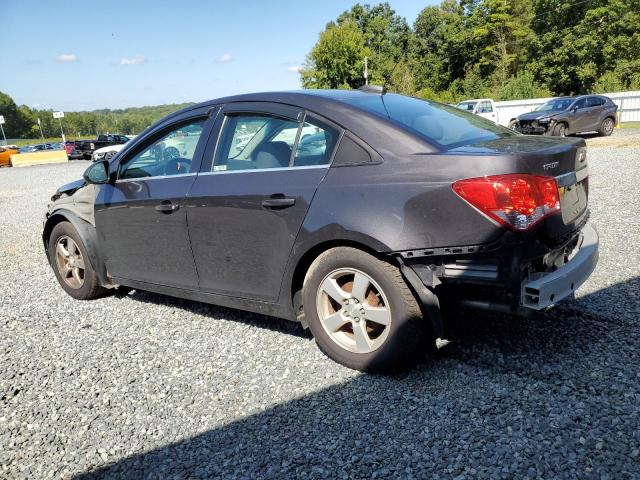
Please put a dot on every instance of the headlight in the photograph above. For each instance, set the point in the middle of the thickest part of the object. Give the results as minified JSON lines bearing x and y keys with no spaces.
{"x":544,"y":120}
{"x":99,"y":154}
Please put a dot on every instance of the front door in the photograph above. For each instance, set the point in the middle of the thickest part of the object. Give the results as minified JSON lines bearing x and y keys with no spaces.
{"x":246,"y":207}
{"x":141,"y":219}
{"x":581,"y":118}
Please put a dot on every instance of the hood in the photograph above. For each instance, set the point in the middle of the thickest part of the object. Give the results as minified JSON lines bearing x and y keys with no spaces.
{"x":539,"y":115}
{"x":69,"y":189}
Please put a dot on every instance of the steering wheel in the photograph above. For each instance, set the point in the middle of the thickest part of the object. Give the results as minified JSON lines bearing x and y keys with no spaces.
{"x":177,"y":165}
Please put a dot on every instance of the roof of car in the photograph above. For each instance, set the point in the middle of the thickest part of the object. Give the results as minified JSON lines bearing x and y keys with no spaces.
{"x":338,"y":106}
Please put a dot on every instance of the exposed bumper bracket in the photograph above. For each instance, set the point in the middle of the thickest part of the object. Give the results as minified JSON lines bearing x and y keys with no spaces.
{"x":542,"y":290}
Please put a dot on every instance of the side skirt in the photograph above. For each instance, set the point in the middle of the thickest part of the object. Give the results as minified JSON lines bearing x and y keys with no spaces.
{"x":264,"y":308}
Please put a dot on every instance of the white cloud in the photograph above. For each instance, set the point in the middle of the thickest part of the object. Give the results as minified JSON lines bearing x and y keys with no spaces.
{"x":67,"y":57}
{"x":294,"y":69}
{"x":137,"y":60}
{"x":227,"y":57}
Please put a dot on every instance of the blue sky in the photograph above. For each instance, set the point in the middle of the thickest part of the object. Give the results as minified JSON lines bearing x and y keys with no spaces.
{"x":73,"y":55}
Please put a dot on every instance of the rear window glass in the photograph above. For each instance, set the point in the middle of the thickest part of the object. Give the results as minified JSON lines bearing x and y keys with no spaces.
{"x":446,"y":126}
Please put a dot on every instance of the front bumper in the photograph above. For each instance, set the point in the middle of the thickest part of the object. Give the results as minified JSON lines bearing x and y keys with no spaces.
{"x":531,"y":130}
{"x":541,"y":290}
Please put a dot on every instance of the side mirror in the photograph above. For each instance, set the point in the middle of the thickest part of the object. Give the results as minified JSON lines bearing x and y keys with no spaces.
{"x":97,"y":173}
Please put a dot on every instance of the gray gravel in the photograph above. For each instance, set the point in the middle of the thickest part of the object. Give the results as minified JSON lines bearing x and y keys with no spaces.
{"x":148,"y":386}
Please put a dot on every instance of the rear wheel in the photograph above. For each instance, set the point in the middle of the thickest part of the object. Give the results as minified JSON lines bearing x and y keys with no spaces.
{"x":68,"y":257}
{"x":361,"y":312}
{"x":606,"y":127}
{"x":560,"y":130}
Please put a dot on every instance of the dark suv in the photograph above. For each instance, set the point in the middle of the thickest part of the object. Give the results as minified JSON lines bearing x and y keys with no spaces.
{"x":355,"y":213}
{"x":568,"y":115}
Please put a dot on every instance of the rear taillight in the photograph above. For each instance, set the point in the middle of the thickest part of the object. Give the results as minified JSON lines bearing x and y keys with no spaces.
{"x":92,"y":146}
{"x":518,"y":201}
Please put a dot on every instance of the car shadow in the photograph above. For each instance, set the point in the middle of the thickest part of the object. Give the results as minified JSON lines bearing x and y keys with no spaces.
{"x":215,"y":311}
{"x":465,"y":411}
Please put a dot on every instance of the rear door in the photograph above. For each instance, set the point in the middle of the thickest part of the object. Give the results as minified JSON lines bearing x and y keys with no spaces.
{"x":595,"y":108}
{"x":252,"y":194}
{"x":141,"y":218}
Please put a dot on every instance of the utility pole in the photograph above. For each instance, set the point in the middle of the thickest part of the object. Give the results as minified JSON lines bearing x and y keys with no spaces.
{"x":40,"y":125}
{"x":2,"y":128}
{"x":60,"y":116}
{"x":366,"y":71}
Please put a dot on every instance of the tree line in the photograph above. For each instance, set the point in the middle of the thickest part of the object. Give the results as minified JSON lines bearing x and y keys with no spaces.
{"x":504,"y":49}
{"x":22,"y":121}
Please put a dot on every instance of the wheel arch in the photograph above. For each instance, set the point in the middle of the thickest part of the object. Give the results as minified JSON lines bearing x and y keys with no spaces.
{"x":306,"y":259}
{"x":88,"y":235}
{"x":427,"y":300}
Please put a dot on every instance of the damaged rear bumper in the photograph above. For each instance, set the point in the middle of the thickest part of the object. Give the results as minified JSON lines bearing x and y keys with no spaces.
{"x":541,"y":290}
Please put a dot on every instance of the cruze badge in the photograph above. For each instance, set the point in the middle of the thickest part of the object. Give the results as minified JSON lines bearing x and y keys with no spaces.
{"x":550,"y":166}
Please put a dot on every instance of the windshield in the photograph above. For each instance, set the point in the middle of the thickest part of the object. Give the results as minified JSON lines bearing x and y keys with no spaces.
{"x":444,"y":125}
{"x":557,"y":104}
{"x":467,"y":106}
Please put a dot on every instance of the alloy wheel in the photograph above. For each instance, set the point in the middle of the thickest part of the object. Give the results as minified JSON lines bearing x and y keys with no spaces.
{"x":70,"y":262}
{"x":562,"y":130}
{"x":353,"y":310}
{"x":608,"y":126}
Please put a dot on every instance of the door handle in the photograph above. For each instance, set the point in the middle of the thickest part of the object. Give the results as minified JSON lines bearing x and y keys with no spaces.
{"x":167,"y":207}
{"x":278,"y":201}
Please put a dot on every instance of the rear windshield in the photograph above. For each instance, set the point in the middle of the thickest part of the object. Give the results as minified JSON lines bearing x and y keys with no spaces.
{"x":444,"y":125}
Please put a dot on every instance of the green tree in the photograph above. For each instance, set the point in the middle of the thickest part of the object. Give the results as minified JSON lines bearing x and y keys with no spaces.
{"x":387,"y":37}
{"x":337,"y":60}
{"x":502,"y":31}
{"x":577,"y":43}
{"x":442,"y":46}
{"x":15,"y":120}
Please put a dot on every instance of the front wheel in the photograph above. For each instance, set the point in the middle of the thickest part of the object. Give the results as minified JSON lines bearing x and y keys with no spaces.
{"x":70,"y":262}
{"x":606,"y":128}
{"x":560,"y":130}
{"x":361,"y":312}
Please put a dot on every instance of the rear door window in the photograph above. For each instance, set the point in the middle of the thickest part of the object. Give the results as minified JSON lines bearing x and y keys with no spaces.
{"x":485,"y":107}
{"x":252,"y":142}
{"x":595,"y":102}
{"x":316,"y":144}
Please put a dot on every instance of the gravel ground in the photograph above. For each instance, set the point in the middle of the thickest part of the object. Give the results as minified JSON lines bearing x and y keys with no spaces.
{"x":148,"y":386}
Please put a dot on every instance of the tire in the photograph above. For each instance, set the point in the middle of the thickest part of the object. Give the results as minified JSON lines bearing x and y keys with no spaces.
{"x":560,"y":130}
{"x":170,"y":153}
{"x":350,"y":337}
{"x":76,"y":276}
{"x":606,"y":127}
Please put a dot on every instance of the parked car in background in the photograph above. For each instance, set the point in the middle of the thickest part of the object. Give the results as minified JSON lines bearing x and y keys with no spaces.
{"x":5,"y":154}
{"x":70,"y":148}
{"x":568,"y":115}
{"x":36,"y":148}
{"x":359,"y":231}
{"x":487,"y":108}
{"x":106,"y":153}
{"x":87,"y":147}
